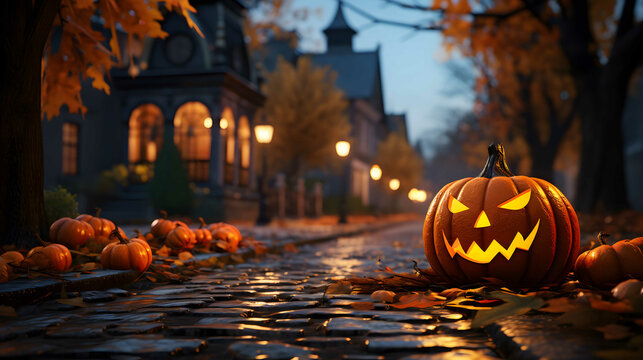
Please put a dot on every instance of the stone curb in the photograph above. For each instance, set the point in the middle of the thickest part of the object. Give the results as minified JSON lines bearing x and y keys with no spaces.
{"x":31,"y":291}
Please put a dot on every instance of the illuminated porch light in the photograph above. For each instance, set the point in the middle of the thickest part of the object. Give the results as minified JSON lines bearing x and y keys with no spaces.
{"x":264,"y":133}
{"x":394,"y":184}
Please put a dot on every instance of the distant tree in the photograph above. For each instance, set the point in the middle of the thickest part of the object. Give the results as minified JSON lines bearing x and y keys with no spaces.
{"x":32,"y":76}
{"x":398,"y":159}
{"x":309,"y":115}
{"x":596,"y":43}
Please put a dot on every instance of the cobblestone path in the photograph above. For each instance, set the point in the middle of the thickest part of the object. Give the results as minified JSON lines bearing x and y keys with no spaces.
{"x":268,"y":308}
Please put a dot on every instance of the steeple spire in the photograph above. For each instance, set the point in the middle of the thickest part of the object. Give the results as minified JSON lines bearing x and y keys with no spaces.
{"x":339,"y":34}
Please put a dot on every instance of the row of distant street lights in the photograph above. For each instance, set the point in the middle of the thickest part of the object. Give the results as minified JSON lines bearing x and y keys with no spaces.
{"x":343,"y":150}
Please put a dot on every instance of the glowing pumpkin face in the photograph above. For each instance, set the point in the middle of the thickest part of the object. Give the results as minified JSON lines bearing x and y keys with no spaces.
{"x":516,"y":229}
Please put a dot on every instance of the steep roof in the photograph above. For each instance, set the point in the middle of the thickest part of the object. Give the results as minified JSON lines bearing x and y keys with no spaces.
{"x":339,"y":22}
{"x":357,"y":72}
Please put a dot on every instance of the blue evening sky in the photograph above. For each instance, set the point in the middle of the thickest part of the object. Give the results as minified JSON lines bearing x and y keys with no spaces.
{"x":415,"y":77}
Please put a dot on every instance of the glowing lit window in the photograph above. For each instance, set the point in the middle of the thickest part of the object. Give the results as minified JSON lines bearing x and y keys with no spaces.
{"x":244,"y":151}
{"x":193,"y":137}
{"x":70,"y":149}
{"x":145,"y":134}
{"x":229,"y":148}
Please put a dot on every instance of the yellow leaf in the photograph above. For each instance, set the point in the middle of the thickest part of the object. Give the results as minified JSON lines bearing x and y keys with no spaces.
{"x":185,"y":255}
{"x":340,"y":287}
{"x":7,"y":311}
{"x":77,"y":301}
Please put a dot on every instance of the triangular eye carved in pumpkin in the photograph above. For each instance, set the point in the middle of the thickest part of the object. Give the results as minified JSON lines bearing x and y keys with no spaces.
{"x":455,"y":206}
{"x":517,"y":202}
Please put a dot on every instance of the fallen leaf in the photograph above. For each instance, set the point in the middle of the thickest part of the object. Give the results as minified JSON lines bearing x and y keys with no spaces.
{"x":419,"y":300}
{"x":150,"y":278}
{"x":291,"y":248}
{"x":464,"y":302}
{"x":451,"y":293}
{"x":178,"y":263}
{"x":383,"y":296}
{"x":76,"y":301}
{"x":7,"y":311}
{"x":89,"y":266}
{"x":586,"y":317}
{"x":514,"y":305}
{"x":614,"y":331}
{"x":622,"y":306}
{"x":340,"y":287}
{"x":559,"y":305}
{"x":237,"y":258}
{"x":163,"y":251}
{"x":185,"y":255}
{"x":363,"y":305}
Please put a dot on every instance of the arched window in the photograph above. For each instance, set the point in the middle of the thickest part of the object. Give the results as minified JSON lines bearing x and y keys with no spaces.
{"x":192,"y":136}
{"x":228,"y":129}
{"x":244,"y":151}
{"x":145,"y":134}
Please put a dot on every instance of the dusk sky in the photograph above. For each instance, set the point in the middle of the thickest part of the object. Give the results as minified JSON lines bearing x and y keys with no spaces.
{"x":415,"y":77}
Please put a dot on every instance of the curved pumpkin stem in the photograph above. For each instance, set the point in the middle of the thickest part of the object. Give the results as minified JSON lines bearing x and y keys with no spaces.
{"x":43,"y":242}
{"x":602,"y":238}
{"x":98,"y":210}
{"x":115,"y":233}
{"x":496,"y":165}
{"x":163,"y":214}
{"x":202,"y":223}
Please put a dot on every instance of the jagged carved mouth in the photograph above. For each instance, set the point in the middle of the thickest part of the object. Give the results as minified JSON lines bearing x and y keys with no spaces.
{"x":477,"y":255}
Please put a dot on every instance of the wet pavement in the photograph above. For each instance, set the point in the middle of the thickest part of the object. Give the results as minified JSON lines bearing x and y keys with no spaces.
{"x":268,"y":308}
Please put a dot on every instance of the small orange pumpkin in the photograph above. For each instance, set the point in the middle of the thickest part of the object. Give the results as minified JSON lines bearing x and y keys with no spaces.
{"x":102,"y":227}
{"x":181,"y":238}
{"x":13,"y":257}
{"x":203,"y":235}
{"x":98,"y":243}
{"x":134,"y":254}
{"x":162,"y":226}
{"x":53,"y":257}
{"x":5,"y":271}
{"x":71,"y":233}
{"x":227,"y":233}
{"x":608,"y":265}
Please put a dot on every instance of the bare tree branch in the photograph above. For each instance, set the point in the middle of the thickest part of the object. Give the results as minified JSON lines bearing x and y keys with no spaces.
{"x":377,"y":20}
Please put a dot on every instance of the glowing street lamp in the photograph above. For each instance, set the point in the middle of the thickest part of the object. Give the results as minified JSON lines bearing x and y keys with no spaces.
{"x":376,"y":172}
{"x":263,"y":134}
{"x":207,"y":122}
{"x":343,"y":148}
{"x":394,"y":184}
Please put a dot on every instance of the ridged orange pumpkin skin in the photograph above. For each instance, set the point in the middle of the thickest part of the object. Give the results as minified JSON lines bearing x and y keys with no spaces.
{"x":13,"y":257}
{"x":550,"y":256}
{"x":53,"y":257}
{"x":228,"y":233}
{"x":203,"y":238}
{"x":71,"y":233}
{"x":5,"y":271}
{"x":134,"y":254}
{"x":102,"y":227}
{"x":608,"y":265}
{"x":181,"y":238}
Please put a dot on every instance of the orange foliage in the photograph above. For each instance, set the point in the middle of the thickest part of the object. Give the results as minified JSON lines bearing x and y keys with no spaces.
{"x":82,"y":52}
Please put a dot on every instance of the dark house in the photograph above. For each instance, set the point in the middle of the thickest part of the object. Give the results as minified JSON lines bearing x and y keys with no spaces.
{"x":199,"y":92}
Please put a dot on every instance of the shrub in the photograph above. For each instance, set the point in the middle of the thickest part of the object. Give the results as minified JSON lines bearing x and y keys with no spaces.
{"x":170,"y":188}
{"x":60,"y":203}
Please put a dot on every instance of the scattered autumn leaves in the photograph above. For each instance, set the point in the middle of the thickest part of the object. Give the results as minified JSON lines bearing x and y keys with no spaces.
{"x":615,"y":314}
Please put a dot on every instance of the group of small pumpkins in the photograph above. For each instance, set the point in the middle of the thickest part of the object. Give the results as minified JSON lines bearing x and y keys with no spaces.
{"x":178,"y":236}
{"x":117,"y":251}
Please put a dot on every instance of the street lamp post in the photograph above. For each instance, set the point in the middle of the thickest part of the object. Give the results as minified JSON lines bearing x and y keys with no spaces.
{"x":263,"y":133}
{"x":343,"y":148}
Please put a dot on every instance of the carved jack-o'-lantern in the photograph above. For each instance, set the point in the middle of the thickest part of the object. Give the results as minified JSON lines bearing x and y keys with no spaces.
{"x":516,"y":229}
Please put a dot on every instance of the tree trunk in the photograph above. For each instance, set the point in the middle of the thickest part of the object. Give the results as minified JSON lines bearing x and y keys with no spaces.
{"x":25,"y":30}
